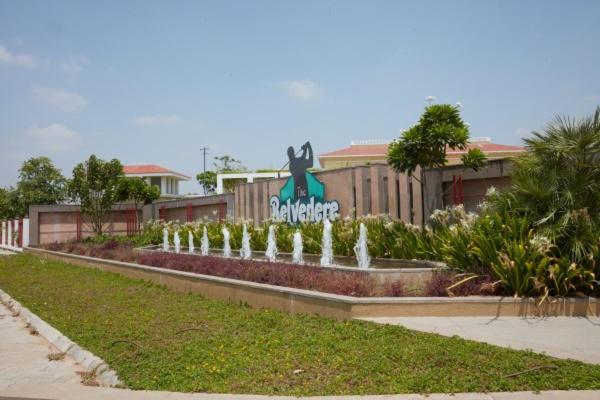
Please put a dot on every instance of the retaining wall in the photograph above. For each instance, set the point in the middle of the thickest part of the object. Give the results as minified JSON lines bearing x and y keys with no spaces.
{"x":342,"y":307}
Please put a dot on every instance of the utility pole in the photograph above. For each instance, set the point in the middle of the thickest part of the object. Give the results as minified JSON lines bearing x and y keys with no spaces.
{"x":203,"y":149}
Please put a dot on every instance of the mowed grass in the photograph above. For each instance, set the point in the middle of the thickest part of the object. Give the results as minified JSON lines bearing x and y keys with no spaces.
{"x":162,"y":340}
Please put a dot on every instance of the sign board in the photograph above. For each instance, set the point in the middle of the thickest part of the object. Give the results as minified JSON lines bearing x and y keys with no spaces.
{"x":302,"y":198}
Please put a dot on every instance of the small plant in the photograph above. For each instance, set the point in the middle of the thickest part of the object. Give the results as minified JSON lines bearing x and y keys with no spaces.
{"x":55,"y":356}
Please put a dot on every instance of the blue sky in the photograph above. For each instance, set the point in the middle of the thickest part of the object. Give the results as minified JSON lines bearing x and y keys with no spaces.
{"x":152,"y":82}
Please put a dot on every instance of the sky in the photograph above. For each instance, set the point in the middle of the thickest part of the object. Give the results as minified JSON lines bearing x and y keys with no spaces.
{"x":153,"y":82}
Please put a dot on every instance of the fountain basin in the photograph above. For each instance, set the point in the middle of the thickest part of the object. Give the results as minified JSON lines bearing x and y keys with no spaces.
{"x":414,"y":273}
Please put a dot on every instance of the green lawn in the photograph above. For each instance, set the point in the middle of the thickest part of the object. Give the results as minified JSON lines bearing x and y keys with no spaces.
{"x":235,"y":349}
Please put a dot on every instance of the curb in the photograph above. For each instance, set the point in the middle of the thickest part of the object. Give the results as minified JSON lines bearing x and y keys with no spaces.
{"x":87,"y":360}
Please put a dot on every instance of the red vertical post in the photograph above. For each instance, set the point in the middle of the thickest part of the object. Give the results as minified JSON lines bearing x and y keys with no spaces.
{"x":162,"y":213}
{"x":222,"y":210}
{"x":20,"y":237}
{"x":189,"y":212}
{"x":78,"y":225}
{"x":454,"y":198}
{"x":460,"y":190}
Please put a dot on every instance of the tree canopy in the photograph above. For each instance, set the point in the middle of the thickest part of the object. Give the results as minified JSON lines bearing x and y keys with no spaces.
{"x":556,"y":183}
{"x":425,"y":143}
{"x":40,"y":182}
{"x":222,"y":165}
{"x":94,"y":187}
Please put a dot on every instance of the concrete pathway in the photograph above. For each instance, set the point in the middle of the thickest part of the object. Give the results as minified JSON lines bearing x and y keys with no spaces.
{"x":73,"y":392}
{"x":23,"y":357}
{"x":562,"y":337}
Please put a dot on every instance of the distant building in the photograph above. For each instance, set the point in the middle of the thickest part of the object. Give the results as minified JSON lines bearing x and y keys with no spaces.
{"x":165,"y":179}
{"x":246,"y":177}
{"x":375,"y":152}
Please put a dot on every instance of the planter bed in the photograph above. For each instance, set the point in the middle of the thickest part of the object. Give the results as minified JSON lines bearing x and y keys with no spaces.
{"x":414,"y":274}
{"x":340,"y":306}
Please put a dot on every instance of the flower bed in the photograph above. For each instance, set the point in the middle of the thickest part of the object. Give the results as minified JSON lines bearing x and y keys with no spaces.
{"x":357,"y":283}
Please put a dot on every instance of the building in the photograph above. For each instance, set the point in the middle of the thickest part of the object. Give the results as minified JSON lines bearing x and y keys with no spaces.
{"x":245,"y":177}
{"x":366,"y":152}
{"x":167,"y":180}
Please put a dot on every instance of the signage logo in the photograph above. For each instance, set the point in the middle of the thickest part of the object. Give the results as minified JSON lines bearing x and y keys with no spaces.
{"x":302,"y":198}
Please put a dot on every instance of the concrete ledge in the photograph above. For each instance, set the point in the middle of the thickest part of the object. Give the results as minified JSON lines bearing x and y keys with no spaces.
{"x":88,"y":361}
{"x":342,"y":307}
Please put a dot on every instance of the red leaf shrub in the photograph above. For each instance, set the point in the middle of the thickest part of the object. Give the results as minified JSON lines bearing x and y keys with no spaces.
{"x":272,"y":273}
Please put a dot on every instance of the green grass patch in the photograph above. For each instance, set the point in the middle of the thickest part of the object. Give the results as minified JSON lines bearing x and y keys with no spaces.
{"x":158,"y":339}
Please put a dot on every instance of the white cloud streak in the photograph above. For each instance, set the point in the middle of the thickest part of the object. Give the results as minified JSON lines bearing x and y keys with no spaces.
{"x":20,"y":60}
{"x":305,"y":90}
{"x":54,"y":137}
{"x":60,"y":99}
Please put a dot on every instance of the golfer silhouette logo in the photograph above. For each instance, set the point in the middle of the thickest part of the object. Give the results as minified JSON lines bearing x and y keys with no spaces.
{"x":298,"y":167}
{"x":302,"y":197}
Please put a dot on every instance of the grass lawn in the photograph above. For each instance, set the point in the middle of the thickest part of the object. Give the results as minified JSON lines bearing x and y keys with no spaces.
{"x":183,"y":342}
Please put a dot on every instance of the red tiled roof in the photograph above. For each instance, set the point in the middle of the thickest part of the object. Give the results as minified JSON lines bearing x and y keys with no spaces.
{"x":380,"y":150}
{"x":149,"y":169}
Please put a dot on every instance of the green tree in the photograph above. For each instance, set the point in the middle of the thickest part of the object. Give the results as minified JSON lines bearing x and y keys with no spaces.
{"x":94,"y":187}
{"x":138,"y":192}
{"x":208,"y":180}
{"x":222,"y":165}
{"x":40,"y":182}
{"x":556,"y":184}
{"x":9,"y":204}
{"x":424,"y":145}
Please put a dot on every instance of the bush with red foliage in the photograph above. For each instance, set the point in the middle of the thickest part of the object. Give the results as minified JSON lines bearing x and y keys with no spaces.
{"x":439,"y":283}
{"x":273,"y":273}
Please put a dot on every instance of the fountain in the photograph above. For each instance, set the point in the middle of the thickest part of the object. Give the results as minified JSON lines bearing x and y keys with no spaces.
{"x":204,"y":243}
{"x":245,"y":251}
{"x":326,"y":245}
{"x":177,"y":242}
{"x":190,"y":242}
{"x":297,"y":252}
{"x":271,"y":252}
{"x":361,"y":248}
{"x":165,"y":239}
{"x":226,"y":246}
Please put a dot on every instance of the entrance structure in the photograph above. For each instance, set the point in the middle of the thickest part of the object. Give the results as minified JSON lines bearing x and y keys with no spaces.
{"x":377,"y":189}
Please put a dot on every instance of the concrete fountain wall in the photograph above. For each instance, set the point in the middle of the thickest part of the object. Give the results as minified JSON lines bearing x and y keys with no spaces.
{"x":342,"y":307}
{"x":414,"y":273}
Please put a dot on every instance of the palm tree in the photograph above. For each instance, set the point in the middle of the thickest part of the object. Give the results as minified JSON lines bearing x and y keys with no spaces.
{"x":557,"y":184}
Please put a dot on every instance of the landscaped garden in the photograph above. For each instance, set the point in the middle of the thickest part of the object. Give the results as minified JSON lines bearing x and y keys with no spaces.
{"x":162,"y":340}
{"x":541,"y":238}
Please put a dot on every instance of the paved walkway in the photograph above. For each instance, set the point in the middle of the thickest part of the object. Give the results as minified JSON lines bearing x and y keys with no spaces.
{"x":23,"y":357}
{"x":562,"y":337}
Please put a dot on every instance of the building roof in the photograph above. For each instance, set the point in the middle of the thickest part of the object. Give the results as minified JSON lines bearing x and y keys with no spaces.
{"x":152,"y":170}
{"x":380,"y":149}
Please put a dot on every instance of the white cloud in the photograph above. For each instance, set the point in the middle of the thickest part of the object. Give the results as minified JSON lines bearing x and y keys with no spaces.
{"x":60,"y":99}
{"x":54,"y":137}
{"x":157,"y":119}
{"x":593,"y":98}
{"x":74,"y":65}
{"x":305,"y":90}
{"x":21,"y":60}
